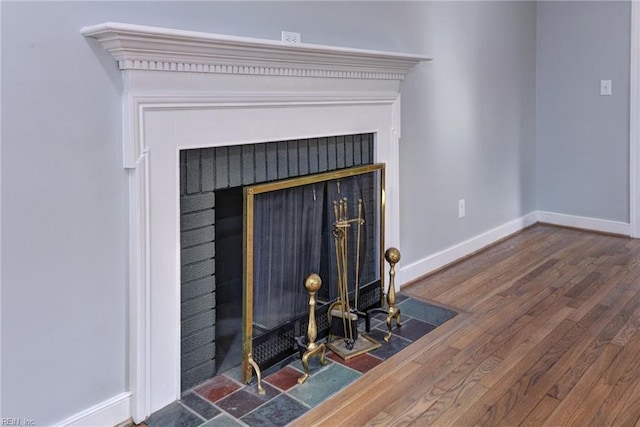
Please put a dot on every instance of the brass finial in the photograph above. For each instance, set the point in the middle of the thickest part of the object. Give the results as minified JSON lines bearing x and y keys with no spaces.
{"x":312,"y":283}
{"x":392,"y":255}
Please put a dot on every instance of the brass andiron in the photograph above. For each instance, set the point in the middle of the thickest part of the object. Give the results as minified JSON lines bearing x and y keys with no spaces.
{"x":392,"y":255}
{"x":312,"y":282}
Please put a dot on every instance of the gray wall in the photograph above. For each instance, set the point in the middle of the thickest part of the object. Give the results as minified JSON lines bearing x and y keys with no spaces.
{"x":64,"y":217}
{"x":468,"y":122}
{"x":583,"y":138}
{"x":468,"y":132}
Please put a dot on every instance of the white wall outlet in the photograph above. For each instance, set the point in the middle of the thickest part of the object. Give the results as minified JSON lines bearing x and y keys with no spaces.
{"x":461,"y":209}
{"x":291,"y":37}
{"x":605,"y":87}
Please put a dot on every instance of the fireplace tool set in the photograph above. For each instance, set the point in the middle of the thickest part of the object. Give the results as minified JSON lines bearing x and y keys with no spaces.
{"x":344,"y":338}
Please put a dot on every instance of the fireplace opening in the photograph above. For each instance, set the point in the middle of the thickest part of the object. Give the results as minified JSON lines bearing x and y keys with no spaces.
{"x":211,"y":205}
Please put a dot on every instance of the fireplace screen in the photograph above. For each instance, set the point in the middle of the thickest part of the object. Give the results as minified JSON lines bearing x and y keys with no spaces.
{"x":289,"y":233}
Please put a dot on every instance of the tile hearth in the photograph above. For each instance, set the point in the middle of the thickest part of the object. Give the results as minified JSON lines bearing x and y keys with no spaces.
{"x":225,"y":401}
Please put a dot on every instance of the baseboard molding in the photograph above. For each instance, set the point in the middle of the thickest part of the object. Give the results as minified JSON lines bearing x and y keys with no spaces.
{"x":415,"y":270}
{"x":443,"y":258}
{"x":111,"y":412}
{"x":592,"y":224}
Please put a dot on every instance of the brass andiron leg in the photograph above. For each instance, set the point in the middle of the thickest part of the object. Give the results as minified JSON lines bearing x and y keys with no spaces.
{"x":392,"y":255}
{"x":312,"y":282}
{"x":258,"y":375}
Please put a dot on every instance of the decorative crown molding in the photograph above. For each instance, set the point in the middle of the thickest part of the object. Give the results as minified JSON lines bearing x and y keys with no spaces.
{"x":139,"y":47}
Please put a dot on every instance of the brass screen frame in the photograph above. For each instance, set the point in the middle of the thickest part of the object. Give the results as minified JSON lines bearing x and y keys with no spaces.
{"x":249,"y":193}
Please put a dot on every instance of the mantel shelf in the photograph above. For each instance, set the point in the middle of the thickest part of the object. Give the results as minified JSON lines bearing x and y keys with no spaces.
{"x":138,"y":47}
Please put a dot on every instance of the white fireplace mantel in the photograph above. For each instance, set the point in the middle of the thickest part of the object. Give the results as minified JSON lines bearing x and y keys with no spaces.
{"x":185,"y":89}
{"x":138,"y":47}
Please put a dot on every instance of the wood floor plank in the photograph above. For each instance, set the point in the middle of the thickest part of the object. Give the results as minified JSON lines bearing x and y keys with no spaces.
{"x":571,"y":406}
{"x":617,"y":399}
{"x":548,"y":334}
{"x":484,"y":410}
{"x":516,"y":403}
{"x":460,"y":395}
{"x":572,"y":375}
{"x":629,"y":413}
{"x":541,"y":412}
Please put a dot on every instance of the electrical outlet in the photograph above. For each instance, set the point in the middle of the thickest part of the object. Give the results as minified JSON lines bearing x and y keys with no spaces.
{"x":461,"y":208}
{"x":605,"y":87}
{"x":291,"y":37}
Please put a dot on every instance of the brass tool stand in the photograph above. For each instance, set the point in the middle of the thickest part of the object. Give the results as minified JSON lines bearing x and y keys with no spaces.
{"x":392,"y":255}
{"x":345,"y":340}
{"x":312,"y":283}
{"x":341,"y":227}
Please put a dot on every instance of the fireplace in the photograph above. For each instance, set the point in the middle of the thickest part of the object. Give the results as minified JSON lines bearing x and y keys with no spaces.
{"x":211,"y":238}
{"x":187,"y":90}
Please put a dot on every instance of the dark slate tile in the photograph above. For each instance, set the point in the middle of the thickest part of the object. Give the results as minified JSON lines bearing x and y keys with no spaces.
{"x":426,"y":312}
{"x":362,"y":363}
{"x":400,"y":298}
{"x":375,"y":322}
{"x":324,"y":384}
{"x":222,"y":420}
{"x":285,"y":378}
{"x":390,"y":348}
{"x":246,"y":400}
{"x":217,"y":388}
{"x":203,"y":407}
{"x":412,"y":329}
{"x":278,"y":412}
{"x":173,"y":415}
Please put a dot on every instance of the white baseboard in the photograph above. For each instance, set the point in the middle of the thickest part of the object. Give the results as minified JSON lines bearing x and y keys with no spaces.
{"x":108,"y":413}
{"x":438,"y":260}
{"x":586,"y":223}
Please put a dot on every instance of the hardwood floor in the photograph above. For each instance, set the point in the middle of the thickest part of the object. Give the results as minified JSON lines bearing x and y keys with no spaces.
{"x":548,"y":334}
